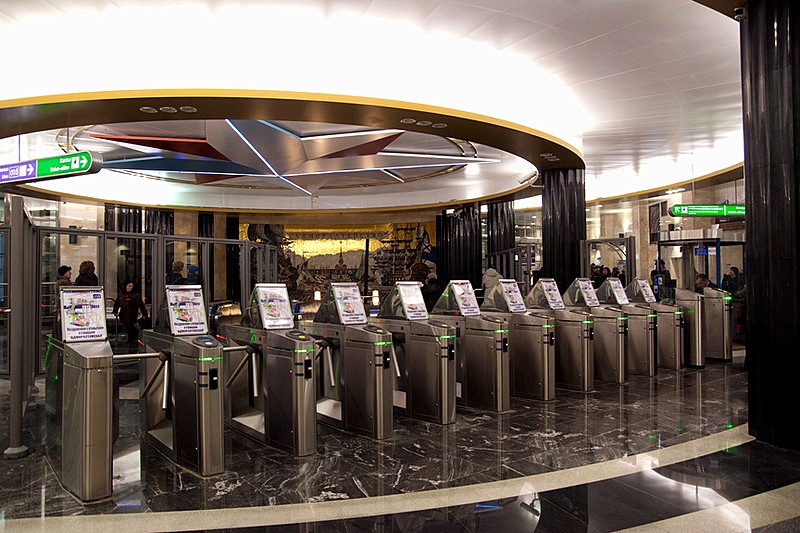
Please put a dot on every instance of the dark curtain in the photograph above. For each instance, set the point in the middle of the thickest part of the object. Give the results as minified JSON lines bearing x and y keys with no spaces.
{"x":458,"y":246}
{"x":205,"y":225}
{"x":563,"y":224}
{"x":500,"y":227}
{"x":123,"y":218}
{"x":770,"y":41}
{"x":233,"y":290}
{"x":159,"y":222}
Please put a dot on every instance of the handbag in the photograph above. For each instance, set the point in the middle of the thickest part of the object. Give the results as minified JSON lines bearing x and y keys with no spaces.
{"x":145,"y":323}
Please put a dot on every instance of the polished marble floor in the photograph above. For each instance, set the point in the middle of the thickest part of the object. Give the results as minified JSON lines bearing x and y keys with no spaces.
{"x":574,"y":430}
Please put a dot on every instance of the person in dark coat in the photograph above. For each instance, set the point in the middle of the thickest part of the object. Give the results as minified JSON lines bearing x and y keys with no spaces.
{"x":86,"y":276}
{"x":431,"y":291}
{"x":128,"y":304}
{"x":193,"y":275}
{"x":176,"y":276}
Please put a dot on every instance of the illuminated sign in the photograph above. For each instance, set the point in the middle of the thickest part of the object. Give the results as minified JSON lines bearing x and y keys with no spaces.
{"x":706,"y":210}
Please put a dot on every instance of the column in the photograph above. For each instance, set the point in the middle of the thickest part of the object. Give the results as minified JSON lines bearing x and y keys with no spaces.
{"x":563,"y":223}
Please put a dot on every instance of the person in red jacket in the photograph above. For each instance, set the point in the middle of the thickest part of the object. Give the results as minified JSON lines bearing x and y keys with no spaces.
{"x":128,"y":305}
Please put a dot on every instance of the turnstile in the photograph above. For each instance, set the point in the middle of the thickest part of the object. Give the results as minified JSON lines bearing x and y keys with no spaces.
{"x":574,"y":334}
{"x":694,"y":317}
{"x":270,"y":393}
{"x":669,"y":322}
{"x":531,"y":342}
{"x":78,"y":412}
{"x":269,"y":389}
{"x":717,"y":316}
{"x":610,"y":331}
{"x":354,"y":368}
{"x":482,"y":362}
{"x":424,"y":356}
{"x":181,"y":400}
{"x":642,"y":322}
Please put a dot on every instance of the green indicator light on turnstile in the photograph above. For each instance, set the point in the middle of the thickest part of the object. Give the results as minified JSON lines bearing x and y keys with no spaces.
{"x":309,"y":350}
{"x":622,"y":318}
{"x":56,"y":378}
{"x":727,"y":297}
{"x":680,"y":430}
{"x":548,"y":326}
{"x":729,"y":426}
{"x":447,"y":336}
{"x":500,"y":331}
{"x":652,"y":436}
{"x":382,"y":343}
{"x":653,"y":315}
{"x":587,"y":321}
{"x":208,"y":359}
{"x":678,"y":312}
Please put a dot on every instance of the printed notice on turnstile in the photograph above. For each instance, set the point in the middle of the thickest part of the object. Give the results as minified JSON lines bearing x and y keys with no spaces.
{"x":618,"y":290}
{"x":647,"y":291}
{"x":273,"y":304}
{"x":465,"y":298}
{"x":187,"y":312}
{"x":83,"y":314}
{"x":516,"y":304}
{"x":349,"y":304}
{"x":587,"y":290}
{"x":554,"y":299}
{"x":413,"y":302}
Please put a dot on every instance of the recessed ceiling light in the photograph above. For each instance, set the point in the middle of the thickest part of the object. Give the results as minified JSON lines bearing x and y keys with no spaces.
{"x":439,"y":125}
{"x":188,"y":109}
{"x":587,"y":209}
{"x":408,"y":120}
{"x":148,"y":109}
{"x":424,"y":123}
{"x":545,"y":154}
{"x":167,"y":109}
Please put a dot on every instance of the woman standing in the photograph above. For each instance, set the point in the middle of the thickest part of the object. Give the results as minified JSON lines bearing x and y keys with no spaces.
{"x":128,"y":305}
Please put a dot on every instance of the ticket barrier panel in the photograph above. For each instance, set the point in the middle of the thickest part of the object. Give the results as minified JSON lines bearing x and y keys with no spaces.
{"x":670,"y":324}
{"x":269,"y":388}
{"x":353,"y":367}
{"x":642,"y":323}
{"x":181,"y":400}
{"x":482,"y":361}
{"x":694,"y":318}
{"x":610,"y":331}
{"x":78,"y":411}
{"x":574,"y":334}
{"x":531,"y":342}
{"x":717,"y":316}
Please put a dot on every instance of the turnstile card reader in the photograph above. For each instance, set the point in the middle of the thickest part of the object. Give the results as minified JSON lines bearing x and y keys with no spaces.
{"x":354,"y":369}
{"x":574,"y":348}
{"x":531,"y":342}
{"x":79,"y":396}
{"x":424,"y":353}
{"x":274,"y":400}
{"x":694,"y":318}
{"x":717,"y":340}
{"x":642,"y":323}
{"x":670,"y":330}
{"x":181,"y":395}
{"x":482,"y":362}
{"x":610,"y":331}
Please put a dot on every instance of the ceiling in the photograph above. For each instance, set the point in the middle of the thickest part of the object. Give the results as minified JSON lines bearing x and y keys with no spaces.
{"x":645,"y":93}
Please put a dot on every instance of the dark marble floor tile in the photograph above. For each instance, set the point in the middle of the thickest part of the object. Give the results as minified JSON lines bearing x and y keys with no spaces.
{"x":786,"y":526}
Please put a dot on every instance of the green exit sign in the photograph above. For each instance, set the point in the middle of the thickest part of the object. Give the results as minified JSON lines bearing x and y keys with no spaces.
{"x":707,"y":210}
{"x":71,"y":164}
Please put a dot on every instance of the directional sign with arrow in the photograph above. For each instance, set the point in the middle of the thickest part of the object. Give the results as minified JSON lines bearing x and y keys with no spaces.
{"x":51,"y":167}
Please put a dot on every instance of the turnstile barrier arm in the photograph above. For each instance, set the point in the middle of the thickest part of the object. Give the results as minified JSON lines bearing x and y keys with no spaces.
{"x":165,"y":393}
{"x":238,"y":369}
{"x":162,"y":356}
{"x":395,"y":364}
{"x":325,"y":348}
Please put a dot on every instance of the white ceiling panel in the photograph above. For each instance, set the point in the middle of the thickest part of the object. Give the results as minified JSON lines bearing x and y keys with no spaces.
{"x":610,"y":15}
{"x":504,"y":30}
{"x":545,"y":42}
{"x":412,"y":11}
{"x":549,"y":12}
{"x":457,"y":19}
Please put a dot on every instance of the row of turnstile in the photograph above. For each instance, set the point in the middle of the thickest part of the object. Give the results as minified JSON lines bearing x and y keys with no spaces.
{"x":273,"y":382}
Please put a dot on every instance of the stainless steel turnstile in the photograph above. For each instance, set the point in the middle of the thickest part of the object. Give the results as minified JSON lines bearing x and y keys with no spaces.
{"x":270,"y":393}
{"x":425,"y":368}
{"x":642,"y":339}
{"x":354,"y":377}
{"x":694,"y":317}
{"x":717,"y":341}
{"x":610,"y":343}
{"x":670,"y":336}
{"x":181,"y":400}
{"x":78,"y":412}
{"x":482,"y":363}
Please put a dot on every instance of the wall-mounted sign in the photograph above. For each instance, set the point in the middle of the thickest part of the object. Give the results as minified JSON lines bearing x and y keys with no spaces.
{"x":51,"y":167}
{"x":706,"y":210}
{"x":83,"y":314}
{"x":187,"y":312}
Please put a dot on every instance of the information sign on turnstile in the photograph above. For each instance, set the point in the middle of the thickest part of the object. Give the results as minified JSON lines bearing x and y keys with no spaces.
{"x":424,"y":352}
{"x":274,"y":402}
{"x":641,"y":327}
{"x":574,"y":349}
{"x":354,"y":375}
{"x":610,"y":331}
{"x":531,"y":342}
{"x":482,"y":364}
{"x":192,"y":363}
{"x":79,"y":395}
{"x":670,"y":331}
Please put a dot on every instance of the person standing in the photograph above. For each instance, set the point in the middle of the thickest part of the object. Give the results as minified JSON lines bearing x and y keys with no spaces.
{"x":732,"y":281}
{"x":86,"y":276}
{"x":64,"y":279}
{"x":176,"y":276}
{"x":128,"y":304}
{"x":431,"y":291}
{"x":491,"y":277}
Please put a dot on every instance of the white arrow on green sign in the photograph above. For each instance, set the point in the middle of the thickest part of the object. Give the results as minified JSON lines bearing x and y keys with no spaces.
{"x":51,"y":167}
